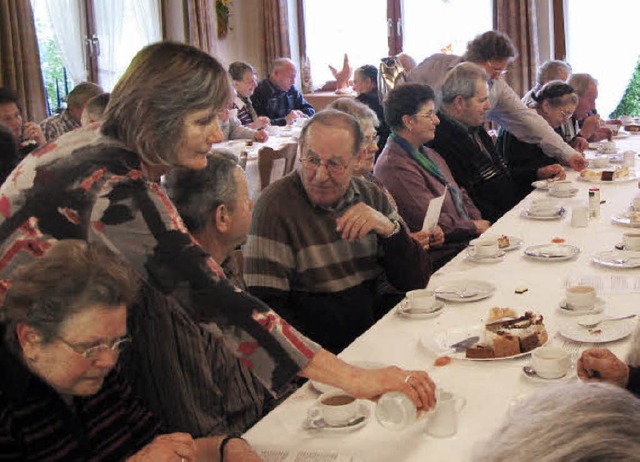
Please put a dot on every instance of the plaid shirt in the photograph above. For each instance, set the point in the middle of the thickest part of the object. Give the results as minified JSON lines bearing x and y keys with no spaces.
{"x":57,"y":125}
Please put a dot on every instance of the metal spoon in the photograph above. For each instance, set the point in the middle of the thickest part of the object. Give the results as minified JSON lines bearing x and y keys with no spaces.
{"x":586,"y":323}
{"x":530,"y":371}
{"x":320,"y":423}
{"x":466,"y":293}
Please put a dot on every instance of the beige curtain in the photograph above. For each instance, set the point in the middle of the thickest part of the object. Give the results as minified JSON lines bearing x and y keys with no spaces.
{"x":517,"y":19}
{"x":20,"y":58}
{"x":276,"y":30}
{"x":201,"y":24}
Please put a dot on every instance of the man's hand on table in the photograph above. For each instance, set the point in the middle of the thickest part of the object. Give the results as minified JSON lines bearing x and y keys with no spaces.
{"x":294,"y":115}
{"x":551,"y":172}
{"x":481,"y":226}
{"x":602,"y":365}
{"x":360,"y":219}
{"x":261,"y":136}
{"x":260,"y":122}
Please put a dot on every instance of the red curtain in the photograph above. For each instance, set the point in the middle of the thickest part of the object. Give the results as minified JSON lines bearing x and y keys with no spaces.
{"x":20,"y":58}
{"x":517,"y":19}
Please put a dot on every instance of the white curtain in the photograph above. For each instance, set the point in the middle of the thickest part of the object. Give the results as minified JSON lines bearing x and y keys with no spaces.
{"x":147,"y":14}
{"x":66,"y":20}
{"x":109,"y":16}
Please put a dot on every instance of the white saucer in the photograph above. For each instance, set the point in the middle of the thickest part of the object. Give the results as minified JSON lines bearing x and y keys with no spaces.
{"x":540,"y":184}
{"x":570,"y":193}
{"x":404,"y":312}
{"x":495,"y":259}
{"x":597,"y":307}
{"x":570,"y":375}
{"x":316,"y":425}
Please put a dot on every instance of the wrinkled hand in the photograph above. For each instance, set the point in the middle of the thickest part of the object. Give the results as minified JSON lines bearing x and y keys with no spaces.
{"x":577,"y":162}
{"x":422,"y":238}
{"x":293,"y":116}
{"x":371,"y":383}
{"x":260,"y":122}
{"x":602,"y":365}
{"x":589,"y":126}
{"x":602,"y":133}
{"x":579,"y":144}
{"x":238,"y":450}
{"x":437,"y":237}
{"x":555,"y":172}
{"x":170,"y":448}
{"x":360,"y":220}
{"x":481,"y":226}
{"x":261,"y":136}
{"x":31,"y":131}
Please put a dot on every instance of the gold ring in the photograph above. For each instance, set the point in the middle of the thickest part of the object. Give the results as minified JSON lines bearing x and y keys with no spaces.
{"x":407,"y":378}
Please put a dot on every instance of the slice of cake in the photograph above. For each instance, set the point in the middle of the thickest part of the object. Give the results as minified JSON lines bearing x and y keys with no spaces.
{"x":503,"y":242}
{"x":480,"y":351}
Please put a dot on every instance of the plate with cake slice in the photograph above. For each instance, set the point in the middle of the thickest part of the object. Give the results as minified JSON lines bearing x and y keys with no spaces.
{"x":618,"y":175}
{"x":509,"y":336}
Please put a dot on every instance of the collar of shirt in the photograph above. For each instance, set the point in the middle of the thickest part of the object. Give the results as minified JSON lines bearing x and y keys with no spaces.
{"x":351,"y":197}
{"x":460,"y":125}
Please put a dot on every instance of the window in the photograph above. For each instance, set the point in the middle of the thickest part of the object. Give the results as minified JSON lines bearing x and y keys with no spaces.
{"x":603,"y":42}
{"x":336,"y":27}
{"x":368,"y":30}
{"x":431,"y":26}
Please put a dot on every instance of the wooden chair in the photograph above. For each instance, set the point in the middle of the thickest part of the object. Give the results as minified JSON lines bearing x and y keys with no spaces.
{"x":266,"y":157}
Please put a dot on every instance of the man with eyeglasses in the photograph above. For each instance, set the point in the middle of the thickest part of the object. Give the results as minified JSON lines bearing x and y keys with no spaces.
{"x":494,"y":52}
{"x":320,"y":237}
{"x":467,"y":147}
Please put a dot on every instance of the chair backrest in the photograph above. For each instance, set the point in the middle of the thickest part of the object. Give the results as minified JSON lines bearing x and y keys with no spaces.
{"x":391,"y":74}
{"x":266,"y":158}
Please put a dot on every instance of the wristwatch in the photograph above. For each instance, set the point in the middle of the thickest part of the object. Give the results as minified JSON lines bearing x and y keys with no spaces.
{"x":396,"y":228}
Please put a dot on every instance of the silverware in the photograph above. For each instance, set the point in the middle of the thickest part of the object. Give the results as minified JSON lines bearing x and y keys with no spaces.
{"x":464,"y":344}
{"x":320,"y":423}
{"x":465,"y":293}
{"x":594,"y":324}
{"x":545,"y":255}
{"x":530,"y":371}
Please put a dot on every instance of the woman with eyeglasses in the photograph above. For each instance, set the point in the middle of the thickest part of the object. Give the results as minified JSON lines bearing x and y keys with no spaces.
{"x":415,"y":174}
{"x":555,"y":103}
{"x":62,"y":397}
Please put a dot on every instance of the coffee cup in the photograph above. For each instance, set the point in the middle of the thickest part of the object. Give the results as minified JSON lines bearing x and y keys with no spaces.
{"x":631,"y":241}
{"x":580,"y":216}
{"x":599,"y":162}
{"x":550,"y":362}
{"x":581,"y":297}
{"x":423,"y":300}
{"x":444,"y":420}
{"x":335,"y":407}
{"x":484,"y":248}
{"x":562,"y":187}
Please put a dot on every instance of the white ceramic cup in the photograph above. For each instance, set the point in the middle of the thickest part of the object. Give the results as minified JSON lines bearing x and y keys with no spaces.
{"x":444,"y":421}
{"x":581,"y":297}
{"x":560,"y":187}
{"x":484,"y":248}
{"x":395,"y":411}
{"x":631,"y":241}
{"x":335,"y":407}
{"x":550,"y":362}
{"x":421,"y":300}
{"x":629,"y":158}
{"x":599,"y":162}
{"x":580,"y":216}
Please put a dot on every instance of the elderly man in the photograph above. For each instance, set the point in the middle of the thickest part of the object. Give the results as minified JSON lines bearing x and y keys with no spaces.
{"x":548,"y":71}
{"x":494,"y":51}
{"x":277,"y":98}
{"x":70,"y":118}
{"x":585,"y":122}
{"x":321,"y":237}
{"x":467,"y":147}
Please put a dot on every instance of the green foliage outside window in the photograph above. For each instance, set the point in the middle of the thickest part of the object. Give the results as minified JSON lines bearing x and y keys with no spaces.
{"x":630,"y":102}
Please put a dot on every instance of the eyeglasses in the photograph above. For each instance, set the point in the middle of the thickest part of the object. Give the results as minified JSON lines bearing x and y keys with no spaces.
{"x":427,"y":115}
{"x":501,"y":71}
{"x":566,"y":115}
{"x":93,"y":352}
{"x":371,"y":139}
{"x":334,"y":167}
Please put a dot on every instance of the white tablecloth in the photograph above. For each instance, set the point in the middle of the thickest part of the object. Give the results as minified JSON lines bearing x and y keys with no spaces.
{"x":489,"y":387}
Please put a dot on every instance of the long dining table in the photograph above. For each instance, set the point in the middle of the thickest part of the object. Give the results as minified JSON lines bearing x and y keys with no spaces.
{"x":490,"y":387}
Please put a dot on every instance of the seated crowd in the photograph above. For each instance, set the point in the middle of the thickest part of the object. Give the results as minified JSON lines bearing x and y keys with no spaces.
{"x":250,"y":300}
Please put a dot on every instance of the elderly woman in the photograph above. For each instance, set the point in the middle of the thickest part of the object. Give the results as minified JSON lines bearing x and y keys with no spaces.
{"x":61,"y":396}
{"x":555,"y":102}
{"x":415,"y":174}
{"x":571,"y":423}
{"x":365,"y":83}
{"x":103,"y":187}
{"x":244,"y":81}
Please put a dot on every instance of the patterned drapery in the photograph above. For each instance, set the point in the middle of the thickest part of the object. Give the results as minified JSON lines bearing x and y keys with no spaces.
{"x":276,"y":30}
{"x":517,"y":19}
{"x":200,"y":23}
{"x":20,"y":58}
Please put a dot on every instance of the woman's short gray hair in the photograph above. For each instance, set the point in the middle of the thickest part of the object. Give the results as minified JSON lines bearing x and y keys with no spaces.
{"x":552,"y":70}
{"x":163,"y":84}
{"x":238,"y":69}
{"x":360,"y":111}
{"x":197,"y":193}
{"x":71,"y":277}
{"x":570,"y":423}
{"x":461,"y":81}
